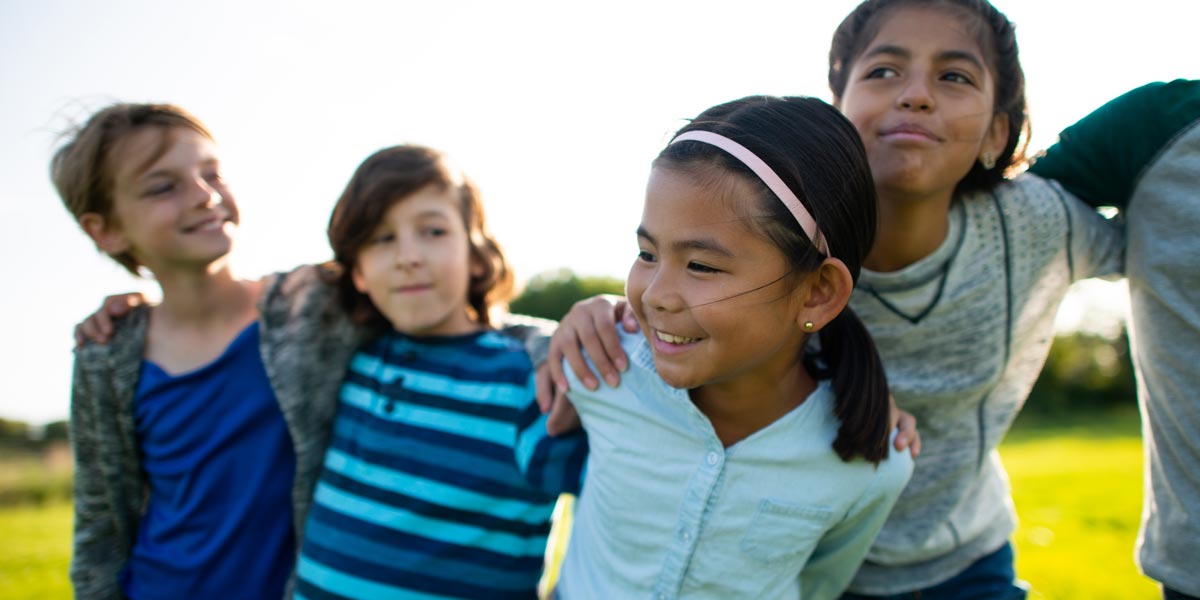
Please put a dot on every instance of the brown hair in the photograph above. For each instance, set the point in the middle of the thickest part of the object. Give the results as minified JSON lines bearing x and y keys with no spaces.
{"x":83,"y":171}
{"x":387,"y":177}
{"x":997,"y":39}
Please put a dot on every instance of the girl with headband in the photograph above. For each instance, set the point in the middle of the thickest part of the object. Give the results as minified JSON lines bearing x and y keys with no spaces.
{"x":966,"y":275}
{"x":732,"y":461}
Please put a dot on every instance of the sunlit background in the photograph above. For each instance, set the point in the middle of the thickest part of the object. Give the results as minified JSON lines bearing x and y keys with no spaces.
{"x":554,"y":108}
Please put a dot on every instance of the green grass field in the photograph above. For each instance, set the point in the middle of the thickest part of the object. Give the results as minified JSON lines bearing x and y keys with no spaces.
{"x":1077,"y":488}
{"x":1078,"y":492}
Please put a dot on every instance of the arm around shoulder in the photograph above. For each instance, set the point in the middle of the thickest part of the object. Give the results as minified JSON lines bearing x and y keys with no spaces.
{"x":1100,"y":157}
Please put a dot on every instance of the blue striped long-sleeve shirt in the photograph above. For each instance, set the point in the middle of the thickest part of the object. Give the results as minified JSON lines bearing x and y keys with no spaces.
{"x":440,"y":480}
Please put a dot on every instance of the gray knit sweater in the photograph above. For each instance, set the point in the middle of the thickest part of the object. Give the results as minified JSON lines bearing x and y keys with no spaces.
{"x":306,"y":342}
{"x":963,"y":334}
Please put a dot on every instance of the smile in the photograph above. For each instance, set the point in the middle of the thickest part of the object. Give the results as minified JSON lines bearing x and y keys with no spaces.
{"x":674,"y":339}
{"x":213,"y":224}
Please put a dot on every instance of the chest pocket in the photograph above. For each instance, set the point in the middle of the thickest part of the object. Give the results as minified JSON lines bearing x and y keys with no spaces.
{"x":784,"y":535}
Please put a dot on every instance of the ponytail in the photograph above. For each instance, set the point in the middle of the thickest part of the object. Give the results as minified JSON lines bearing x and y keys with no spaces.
{"x":859,"y":386}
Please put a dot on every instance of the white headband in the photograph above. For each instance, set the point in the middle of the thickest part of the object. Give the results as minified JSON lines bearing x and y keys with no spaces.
{"x":768,"y":176}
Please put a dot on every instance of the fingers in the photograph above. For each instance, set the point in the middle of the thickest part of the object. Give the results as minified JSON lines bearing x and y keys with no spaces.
{"x":603,"y":345}
{"x":543,"y":387}
{"x":563,"y":418}
{"x":908,"y":436}
{"x":626,"y":316}
{"x":589,"y":326}
{"x":97,"y":328}
{"x":572,"y":351}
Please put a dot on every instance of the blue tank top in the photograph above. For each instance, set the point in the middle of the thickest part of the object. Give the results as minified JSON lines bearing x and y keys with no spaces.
{"x":220,"y":462}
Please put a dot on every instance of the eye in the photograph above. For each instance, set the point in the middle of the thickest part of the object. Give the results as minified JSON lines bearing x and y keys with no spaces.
{"x":382,"y":237}
{"x":213,"y":177}
{"x":161,"y":188}
{"x":434,"y":232}
{"x":881,"y":73}
{"x":696,"y":267}
{"x":958,"y":77}
{"x":646,"y":257}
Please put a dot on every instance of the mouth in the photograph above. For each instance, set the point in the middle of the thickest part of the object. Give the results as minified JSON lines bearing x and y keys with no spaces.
{"x":677,"y":340}
{"x":210,"y":224}
{"x":413,"y":288}
{"x":909,"y":131}
{"x":667,"y":344}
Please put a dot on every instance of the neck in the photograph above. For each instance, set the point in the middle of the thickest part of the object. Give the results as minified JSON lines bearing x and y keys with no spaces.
{"x":205,"y":298}
{"x":740,"y":406}
{"x":910,"y":228}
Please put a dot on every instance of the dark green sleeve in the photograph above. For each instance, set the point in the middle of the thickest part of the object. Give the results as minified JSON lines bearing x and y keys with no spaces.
{"x":1100,"y":157}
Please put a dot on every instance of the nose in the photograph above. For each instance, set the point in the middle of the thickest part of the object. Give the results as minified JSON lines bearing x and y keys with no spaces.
{"x":662,"y":294}
{"x":915,"y":96}
{"x":205,"y":193}
{"x":408,"y":253}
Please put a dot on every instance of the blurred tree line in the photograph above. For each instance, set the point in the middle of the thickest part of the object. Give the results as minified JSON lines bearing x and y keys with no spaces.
{"x":18,"y":436}
{"x":1083,"y":372}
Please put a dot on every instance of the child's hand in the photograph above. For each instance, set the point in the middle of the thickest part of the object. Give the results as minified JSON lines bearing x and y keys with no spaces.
{"x":908,"y":437}
{"x":591,"y":325}
{"x":562,"y":418}
{"x":98,"y":326}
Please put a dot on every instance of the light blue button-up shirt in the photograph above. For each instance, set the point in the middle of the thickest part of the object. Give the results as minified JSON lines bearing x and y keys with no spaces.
{"x":668,"y":512}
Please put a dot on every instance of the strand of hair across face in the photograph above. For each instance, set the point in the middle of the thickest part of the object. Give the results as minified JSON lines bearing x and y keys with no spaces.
{"x":749,"y":291}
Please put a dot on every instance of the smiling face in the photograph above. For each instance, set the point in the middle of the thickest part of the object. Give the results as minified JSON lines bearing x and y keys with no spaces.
{"x":922,"y":97}
{"x":416,"y":266}
{"x":171,"y":209}
{"x":714,"y":298}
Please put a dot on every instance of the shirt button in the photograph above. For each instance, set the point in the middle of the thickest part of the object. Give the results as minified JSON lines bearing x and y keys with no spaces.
{"x":662,"y":597}
{"x":687,"y":537}
{"x":713,"y":459}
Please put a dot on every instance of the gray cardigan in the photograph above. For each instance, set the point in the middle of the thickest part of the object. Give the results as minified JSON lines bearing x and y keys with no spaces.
{"x":306,"y":341}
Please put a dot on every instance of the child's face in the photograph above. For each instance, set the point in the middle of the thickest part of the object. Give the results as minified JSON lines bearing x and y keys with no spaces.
{"x":174,"y":212}
{"x":922,"y":99}
{"x":416,"y":267}
{"x":713,"y":298}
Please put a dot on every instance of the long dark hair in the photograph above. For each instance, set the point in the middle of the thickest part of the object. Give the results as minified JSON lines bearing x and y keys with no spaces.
{"x":819,"y":155}
{"x":997,"y":38}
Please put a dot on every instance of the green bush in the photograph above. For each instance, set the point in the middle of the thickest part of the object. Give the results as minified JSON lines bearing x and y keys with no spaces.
{"x":1084,"y":372}
{"x":550,"y":295}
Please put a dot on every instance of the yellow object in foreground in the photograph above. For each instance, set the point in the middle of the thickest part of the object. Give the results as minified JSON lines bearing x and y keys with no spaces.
{"x":556,"y":547}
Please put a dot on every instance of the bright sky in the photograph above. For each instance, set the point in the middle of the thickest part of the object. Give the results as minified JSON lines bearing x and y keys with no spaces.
{"x":555,"y":108}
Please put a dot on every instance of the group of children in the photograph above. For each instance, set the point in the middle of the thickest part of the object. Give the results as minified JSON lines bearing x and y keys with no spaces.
{"x":366,"y":428}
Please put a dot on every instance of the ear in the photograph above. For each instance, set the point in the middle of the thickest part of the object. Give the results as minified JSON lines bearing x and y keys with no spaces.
{"x":356,"y":276}
{"x":996,"y":138}
{"x":828,"y":291}
{"x":107,"y":236}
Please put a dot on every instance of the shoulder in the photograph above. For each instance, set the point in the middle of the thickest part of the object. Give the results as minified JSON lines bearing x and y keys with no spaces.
{"x":1030,"y":192}
{"x":306,"y":284}
{"x":893,"y":472}
{"x":498,"y":343}
{"x":125,"y":348}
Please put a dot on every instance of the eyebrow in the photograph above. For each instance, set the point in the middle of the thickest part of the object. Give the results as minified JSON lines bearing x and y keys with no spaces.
{"x":167,"y":172}
{"x":945,"y":56}
{"x":701,"y":244}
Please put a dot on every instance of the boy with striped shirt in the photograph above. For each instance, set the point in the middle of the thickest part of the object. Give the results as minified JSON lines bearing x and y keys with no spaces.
{"x":440,"y":480}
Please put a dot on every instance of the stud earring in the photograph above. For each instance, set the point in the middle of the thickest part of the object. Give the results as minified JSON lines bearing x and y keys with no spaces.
{"x":987,"y":160}
{"x":808,"y":326}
